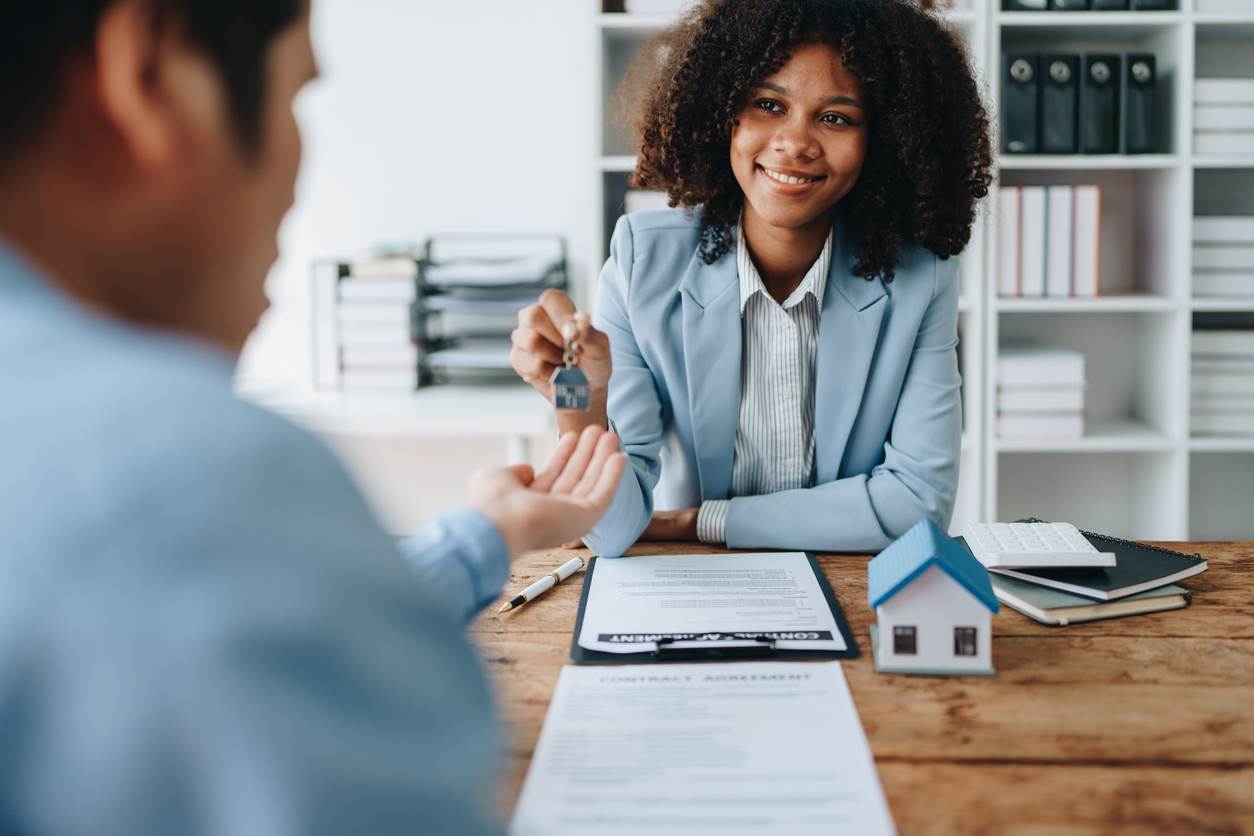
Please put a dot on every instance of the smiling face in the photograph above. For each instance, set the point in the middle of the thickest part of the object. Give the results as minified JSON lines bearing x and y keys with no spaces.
{"x":800,"y":140}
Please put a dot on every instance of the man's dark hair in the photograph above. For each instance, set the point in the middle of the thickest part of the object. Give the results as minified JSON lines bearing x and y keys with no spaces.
{"x":928,"y":156}
{"x":38,"y":38}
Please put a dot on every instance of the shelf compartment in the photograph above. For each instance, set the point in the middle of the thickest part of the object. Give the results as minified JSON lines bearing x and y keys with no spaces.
{"x":1218,"y":480}
{"x":1133,"y":495}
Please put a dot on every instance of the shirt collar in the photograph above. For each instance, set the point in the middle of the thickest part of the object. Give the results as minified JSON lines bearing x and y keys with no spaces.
{"x":814,"y":282}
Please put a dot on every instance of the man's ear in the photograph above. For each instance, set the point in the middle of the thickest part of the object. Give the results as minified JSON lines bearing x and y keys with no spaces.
{"x":128,"y":58}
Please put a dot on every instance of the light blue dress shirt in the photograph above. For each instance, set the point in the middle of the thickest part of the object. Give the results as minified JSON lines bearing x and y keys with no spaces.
{"x":203,"y":628}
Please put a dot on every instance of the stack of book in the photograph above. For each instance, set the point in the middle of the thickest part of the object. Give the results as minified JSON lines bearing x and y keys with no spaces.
{"x":1223,"y":255}
{"x":1223,"y":116}
{"x":1223,"y":382}
{"x":1049,"y":241}
{"x":363,"y":337}
{"x":1040,"y":393}
{"x":471,"y":291}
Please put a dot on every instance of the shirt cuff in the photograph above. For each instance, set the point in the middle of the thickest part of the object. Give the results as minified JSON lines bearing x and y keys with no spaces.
{"x":712,"y":521}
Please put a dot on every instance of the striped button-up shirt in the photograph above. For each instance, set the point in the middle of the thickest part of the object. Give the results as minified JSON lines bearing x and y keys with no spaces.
{"x":775,"y":433}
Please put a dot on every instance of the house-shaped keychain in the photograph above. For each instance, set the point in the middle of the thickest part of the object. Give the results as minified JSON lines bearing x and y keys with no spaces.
{"x":933,"y":606}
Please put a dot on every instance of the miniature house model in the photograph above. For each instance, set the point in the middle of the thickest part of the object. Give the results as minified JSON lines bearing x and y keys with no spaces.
{"x":933,"y":606}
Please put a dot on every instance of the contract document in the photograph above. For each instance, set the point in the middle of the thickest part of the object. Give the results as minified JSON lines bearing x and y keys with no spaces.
{"x":702,"y":750}
{"x":633,"y":602}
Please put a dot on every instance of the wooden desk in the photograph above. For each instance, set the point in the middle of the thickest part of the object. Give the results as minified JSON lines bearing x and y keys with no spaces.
{"x":1141,"y":724}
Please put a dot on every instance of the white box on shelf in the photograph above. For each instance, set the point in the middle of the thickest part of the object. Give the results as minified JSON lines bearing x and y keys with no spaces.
{"x":1211,"y":143}
{"x":1223,"y":423}
{"x":1032,"y":252}
{"x":383,"y":289}
{"x":1059,"y":232}
{"x":1223,"y":229}
{"x":1223,"y":117}
{"x":380,"y":380}
{"x":387,"y":315}
{"x":1223,"y":257}
{"x":1043,"y":399}
{"x":1223,"y":91}
{"x":1223,"y":283}
{"x":1087,"y":266}
{"x":1035,"y":366}
{"x":1061,"y":426}
{"x":1009,"y":201}
{"x":1223,"y":6}
{"x":373,"y":335}
{"x":1226,"y":342}
{"x":379,"y":356}
{"x":1222,"y":384}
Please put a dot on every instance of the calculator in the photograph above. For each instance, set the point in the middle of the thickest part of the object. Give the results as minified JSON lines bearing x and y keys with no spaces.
{"x":1033,"y":546}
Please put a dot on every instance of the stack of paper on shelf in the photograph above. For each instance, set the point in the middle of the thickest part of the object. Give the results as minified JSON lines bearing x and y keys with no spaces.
{"x":376,"y":348}
{"x":1223,"y":382}
{"x":1049,"y":241}
{"x":469,"y":306}
{"x":1223,"y":116}
{"x":1040,"y":393}
{"x":1223,"y":255}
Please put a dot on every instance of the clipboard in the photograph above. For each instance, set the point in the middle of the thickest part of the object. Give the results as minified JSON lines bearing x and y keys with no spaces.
{"x":763,"y":649}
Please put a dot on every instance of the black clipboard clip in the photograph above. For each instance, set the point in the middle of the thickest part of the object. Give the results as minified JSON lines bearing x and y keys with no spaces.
{"x":758,"y":647}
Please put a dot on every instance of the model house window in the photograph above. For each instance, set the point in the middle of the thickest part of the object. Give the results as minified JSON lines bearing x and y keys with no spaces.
{"x":903,"y":640}
{"x":964,"y":641}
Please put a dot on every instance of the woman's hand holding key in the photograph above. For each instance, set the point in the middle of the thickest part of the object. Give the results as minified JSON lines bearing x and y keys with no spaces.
{"x":537,"y":353}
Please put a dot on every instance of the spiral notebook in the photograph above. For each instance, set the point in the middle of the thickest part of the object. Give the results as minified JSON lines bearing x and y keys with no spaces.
{"x":1138,"y":567}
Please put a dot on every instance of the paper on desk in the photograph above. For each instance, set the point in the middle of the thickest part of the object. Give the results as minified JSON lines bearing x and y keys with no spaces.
{"x":747,"y":747}
{"x":634,"y":601}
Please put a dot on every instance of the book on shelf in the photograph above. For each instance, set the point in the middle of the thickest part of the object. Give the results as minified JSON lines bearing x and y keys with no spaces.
{"x":385,"y":267}
{"x":1208,"y":383}
{"x":1032,"y":241}
{"x":1223,"y":282}
{"x":1238,"y":257}
{"x":1044,"y":399}
{"x":1223,"y":229}
{"x":1087,"y":246}
{"x":1214,"y":143}
{"x":1009,"y":201}
{"x":1224,"y":363}
{"x":379,"y":380}
{"x":1222,"y":423}
{"x":1223,"y":117}
{"x":388,"y":315}
{"x":1221,"y":6}
{"x":1058,"y":238}
{"x":366,"y":334}
{"x":1044,"y":426}
{"x":1223,"y":91}
{"x":378,"y":289}
{"x":1035,"y":366}
{"x":379,"y":356}
{"x":1137,"y":568}
{"x":1223,"y":342}
{"x":492,"y":273}
{"x":1058,"y":608}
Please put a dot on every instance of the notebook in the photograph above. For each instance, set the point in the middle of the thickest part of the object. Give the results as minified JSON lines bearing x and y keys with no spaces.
{"x":1054,"y":607}
{"x":1137,"y":568}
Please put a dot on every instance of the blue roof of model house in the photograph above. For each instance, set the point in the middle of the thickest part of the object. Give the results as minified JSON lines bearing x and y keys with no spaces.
{"x":911,"y":554}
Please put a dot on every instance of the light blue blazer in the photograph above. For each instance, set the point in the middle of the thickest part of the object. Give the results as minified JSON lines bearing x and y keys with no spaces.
{"x":887,"y":411}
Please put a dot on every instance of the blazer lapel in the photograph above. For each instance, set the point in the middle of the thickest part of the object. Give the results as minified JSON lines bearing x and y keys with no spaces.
{"x":712,"y":338}
{"x":848,"y":332}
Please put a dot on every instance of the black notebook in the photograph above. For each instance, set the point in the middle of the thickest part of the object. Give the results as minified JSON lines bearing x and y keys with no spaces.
{"x":1137,"y":568}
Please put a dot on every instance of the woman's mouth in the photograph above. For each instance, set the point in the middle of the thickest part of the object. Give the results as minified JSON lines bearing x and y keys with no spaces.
{"x":789,"y":182}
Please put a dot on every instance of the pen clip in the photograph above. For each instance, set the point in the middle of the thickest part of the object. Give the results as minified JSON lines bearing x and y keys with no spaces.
{"x":758,"y":647}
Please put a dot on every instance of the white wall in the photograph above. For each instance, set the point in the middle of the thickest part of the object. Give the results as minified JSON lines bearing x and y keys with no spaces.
{"x":479,"y":115}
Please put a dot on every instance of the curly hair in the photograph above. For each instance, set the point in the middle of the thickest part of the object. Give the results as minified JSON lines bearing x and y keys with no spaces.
{"x":928,"y":153}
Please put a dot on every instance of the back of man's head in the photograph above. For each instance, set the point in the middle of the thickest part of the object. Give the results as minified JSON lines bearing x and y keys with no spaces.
{"x":148,"y":154}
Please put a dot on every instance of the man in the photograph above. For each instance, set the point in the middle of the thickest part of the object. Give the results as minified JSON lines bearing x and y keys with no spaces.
{"x":202,"y":627}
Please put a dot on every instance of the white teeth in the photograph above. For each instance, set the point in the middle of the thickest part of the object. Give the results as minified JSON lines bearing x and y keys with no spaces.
{"x":784,"y":178}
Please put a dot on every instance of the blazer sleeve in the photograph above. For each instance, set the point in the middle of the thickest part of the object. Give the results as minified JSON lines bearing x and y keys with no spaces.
{"x":635,"y":407}
{"x":918,"y":476}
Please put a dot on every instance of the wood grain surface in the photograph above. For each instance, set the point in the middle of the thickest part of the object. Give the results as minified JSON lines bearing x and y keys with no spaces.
{"x":1134,"y":725}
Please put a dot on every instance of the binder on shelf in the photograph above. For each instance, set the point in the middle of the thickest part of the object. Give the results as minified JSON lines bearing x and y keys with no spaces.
{"x":1032,"y":241}
{"x":1025,"y":5}
{"x":1087,"y":246}
{"x":1099,"y":105}
{"x":1060,"y":89}
{"x":1140,"y":80}
{"x":1068,"y":5}
{"x":1110,"y":5}
{"x":1151,"y":5}
{"x":1009,"y":199}
{"x":1020,"y":103}
{"x":665,"y":649}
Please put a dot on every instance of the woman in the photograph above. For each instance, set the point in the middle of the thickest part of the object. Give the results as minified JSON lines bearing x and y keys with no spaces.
{"x":790,"y":332}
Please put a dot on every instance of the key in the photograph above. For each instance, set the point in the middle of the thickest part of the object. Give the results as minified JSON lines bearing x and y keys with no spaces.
{"x":569,"y":384}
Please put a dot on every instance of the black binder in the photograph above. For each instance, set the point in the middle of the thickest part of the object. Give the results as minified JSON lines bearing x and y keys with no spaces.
{"x":1099,"y":105}
{"x":1060,"y":92}
{"x":1068,"y":5}
{"x":664,"y":652}
{"x":1151,"y":5}
{"x":1140,"y":81}
{"x":1024,"y":5}
{"x":1020,"y":102}
{"x":1110,"y":5}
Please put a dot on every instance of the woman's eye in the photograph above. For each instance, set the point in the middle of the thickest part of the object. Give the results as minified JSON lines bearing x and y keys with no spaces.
{"x":835,"y":119}
{"x":767,"y":104}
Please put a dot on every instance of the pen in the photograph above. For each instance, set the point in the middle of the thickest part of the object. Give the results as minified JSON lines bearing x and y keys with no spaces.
{"x":543,"y":585}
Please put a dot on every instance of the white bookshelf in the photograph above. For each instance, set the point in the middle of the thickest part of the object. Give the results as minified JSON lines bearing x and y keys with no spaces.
{"x":1137,"y":471}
